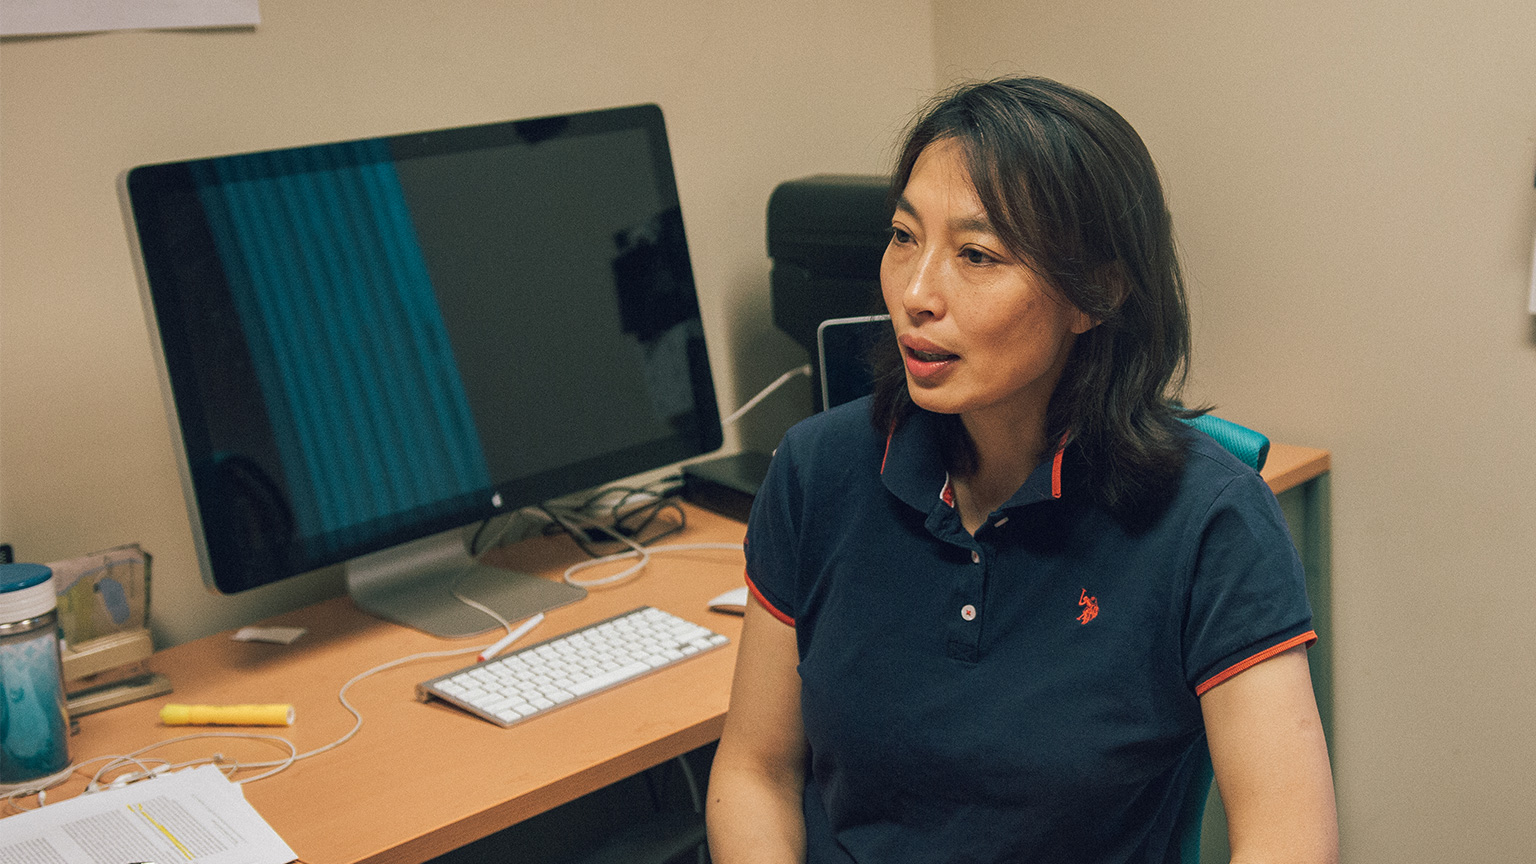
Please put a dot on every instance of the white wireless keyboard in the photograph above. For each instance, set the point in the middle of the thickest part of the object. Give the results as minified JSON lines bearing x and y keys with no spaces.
{"x":539,"y":678}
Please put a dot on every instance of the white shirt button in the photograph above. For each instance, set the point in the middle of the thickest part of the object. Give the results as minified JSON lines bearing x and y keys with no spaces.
{"x":968,"y":612}
{"x":975,"y":557}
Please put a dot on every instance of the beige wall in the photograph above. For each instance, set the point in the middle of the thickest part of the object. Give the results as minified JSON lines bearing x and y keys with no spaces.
{"x":1352,"y":187}
{"x":1351,"y":184}
{"x":754,"y":94}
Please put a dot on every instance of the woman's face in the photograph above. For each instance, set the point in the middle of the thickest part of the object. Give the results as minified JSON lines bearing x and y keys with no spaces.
{"x":981,"y":335}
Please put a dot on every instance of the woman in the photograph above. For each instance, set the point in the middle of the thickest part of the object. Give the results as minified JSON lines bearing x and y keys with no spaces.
{"x":1001,"y":609}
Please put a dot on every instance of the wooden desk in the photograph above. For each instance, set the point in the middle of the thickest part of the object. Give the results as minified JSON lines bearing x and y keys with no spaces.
{"x":1289,"y":466}
{"x":421,"y":779}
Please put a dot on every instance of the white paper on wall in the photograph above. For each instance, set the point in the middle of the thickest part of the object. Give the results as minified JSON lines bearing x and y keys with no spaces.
{"x":35,"y":17}
{"x":1533,"y":276}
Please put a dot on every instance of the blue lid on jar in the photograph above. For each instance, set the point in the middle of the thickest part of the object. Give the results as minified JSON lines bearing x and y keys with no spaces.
{"x":19,"y":577}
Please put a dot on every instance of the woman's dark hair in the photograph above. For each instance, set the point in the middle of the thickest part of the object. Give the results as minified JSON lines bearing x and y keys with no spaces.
{"x":1069,"y":188}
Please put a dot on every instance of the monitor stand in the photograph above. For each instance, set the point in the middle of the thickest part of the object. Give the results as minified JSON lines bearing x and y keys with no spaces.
{"x":414,"y":584}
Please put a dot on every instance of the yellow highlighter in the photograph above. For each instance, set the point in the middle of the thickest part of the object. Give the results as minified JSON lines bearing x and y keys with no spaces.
{"x":227,"y":715}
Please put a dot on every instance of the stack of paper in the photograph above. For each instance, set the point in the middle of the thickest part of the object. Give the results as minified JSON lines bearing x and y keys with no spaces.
{"x":191,"y":815}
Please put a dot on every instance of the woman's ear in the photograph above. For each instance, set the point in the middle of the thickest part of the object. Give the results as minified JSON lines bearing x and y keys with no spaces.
{"x":1082,"y":322}
{"x":1114,"y":288}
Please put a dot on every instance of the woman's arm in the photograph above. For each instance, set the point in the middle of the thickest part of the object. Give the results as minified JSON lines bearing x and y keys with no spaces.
{"x":758,"y":776}
{"x":1272,"y":763}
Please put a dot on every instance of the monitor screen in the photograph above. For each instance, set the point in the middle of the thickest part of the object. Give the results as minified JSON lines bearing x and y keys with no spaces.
{"x":374,"y":341}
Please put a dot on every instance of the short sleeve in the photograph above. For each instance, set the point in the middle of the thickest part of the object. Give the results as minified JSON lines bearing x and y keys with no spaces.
{"x":1248,"y":596}
{"x":773,"y":537}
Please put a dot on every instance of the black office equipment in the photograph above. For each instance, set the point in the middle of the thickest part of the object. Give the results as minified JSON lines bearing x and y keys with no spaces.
{"x":826,"y":235}
{"x":728,"y":484}
{"x":370,"y":344}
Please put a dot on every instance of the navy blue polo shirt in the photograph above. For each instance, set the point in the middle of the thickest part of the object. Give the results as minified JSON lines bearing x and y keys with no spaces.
{"x":1027,"y":694}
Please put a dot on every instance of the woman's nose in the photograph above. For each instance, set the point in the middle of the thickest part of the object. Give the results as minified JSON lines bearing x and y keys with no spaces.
{"x":923,"y":292}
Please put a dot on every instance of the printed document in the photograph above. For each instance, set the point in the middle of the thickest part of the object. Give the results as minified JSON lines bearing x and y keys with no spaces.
{"x":194,"y":815}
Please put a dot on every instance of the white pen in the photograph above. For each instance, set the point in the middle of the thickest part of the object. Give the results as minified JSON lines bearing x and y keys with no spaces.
{"x":520,"y":632}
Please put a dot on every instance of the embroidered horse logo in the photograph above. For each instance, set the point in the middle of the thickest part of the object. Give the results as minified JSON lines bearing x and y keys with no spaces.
{"x":1090,"y":607}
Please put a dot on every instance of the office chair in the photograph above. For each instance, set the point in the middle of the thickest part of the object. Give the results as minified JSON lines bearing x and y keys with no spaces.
{"x":1253,"y":448}
{"x":1240,"y":441}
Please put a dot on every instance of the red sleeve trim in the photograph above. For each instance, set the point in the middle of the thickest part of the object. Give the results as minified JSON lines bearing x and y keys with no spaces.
{"x":772,"y":609}
{"x":1306,"y":638}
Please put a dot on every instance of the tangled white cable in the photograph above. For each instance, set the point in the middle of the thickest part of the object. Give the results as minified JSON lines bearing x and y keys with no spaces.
{"x":642,"y":553}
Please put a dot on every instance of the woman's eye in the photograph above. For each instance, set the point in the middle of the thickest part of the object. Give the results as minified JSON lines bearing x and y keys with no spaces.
{"x":900,"y":237}
{"x":976,"y":256}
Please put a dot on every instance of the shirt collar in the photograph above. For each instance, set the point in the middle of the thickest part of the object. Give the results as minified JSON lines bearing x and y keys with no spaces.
{"x":913,"y":467}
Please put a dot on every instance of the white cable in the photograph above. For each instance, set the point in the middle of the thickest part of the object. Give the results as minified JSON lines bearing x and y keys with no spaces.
{"x":777,"y":383}
{"x":566,"y":520}
{"x":474,"y":562}
{"x":165,"y":765}
{"x":476,"y":604}
{"x":635,"y":551}
{"x":644,"y":555}
{"x":341,"y":695}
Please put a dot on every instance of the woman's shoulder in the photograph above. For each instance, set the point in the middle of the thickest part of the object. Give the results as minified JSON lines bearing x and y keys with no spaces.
{"x":840,"y":428}
{"x":831,"y":443}
{"x":1206,"y":455}
{"x":1212,"y":472}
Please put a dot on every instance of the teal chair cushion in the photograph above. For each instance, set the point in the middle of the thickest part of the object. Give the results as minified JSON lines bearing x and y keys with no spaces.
{"x":1242,"y":442}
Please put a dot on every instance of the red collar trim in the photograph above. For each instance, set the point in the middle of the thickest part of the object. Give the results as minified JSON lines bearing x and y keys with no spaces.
{"x":1061,"y":450}
{"x":947,"y":494}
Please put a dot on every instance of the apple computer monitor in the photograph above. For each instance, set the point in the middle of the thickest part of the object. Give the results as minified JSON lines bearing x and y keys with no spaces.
{"x":367,"y":346}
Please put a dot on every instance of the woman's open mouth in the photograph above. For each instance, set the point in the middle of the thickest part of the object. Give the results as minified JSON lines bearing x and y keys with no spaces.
{"x":927,"y":365}
{"x":931,"y":357}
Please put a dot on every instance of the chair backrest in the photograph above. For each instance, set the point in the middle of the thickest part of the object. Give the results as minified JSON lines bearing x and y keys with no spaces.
{"x":1242,"y":442}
